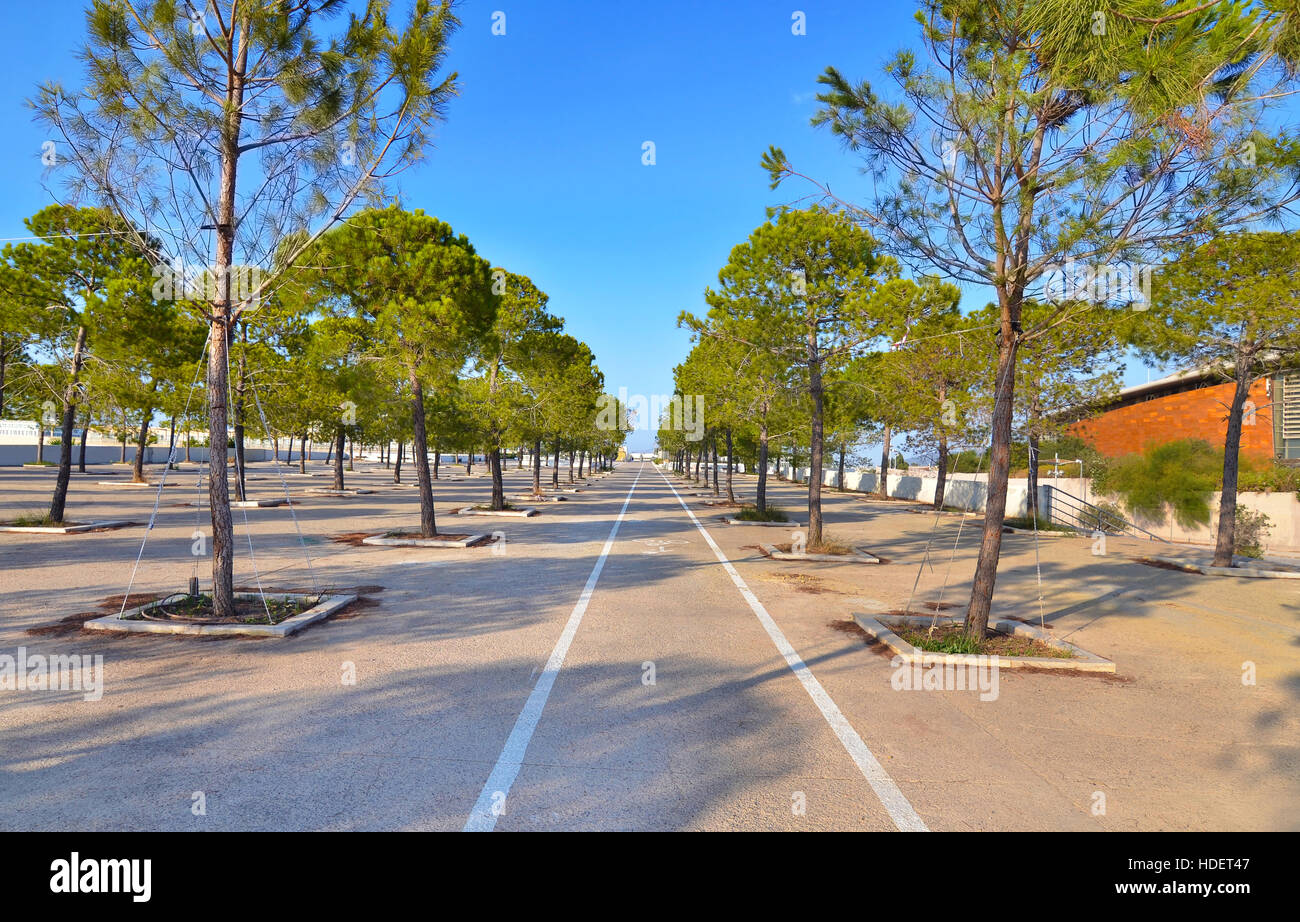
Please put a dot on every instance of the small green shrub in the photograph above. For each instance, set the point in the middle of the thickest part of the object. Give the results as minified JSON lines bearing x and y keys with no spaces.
{"x":1177,"y":478}
{"x":751,"y":514}
{"x":1252,"y":528}
{"x":1274,"y":478}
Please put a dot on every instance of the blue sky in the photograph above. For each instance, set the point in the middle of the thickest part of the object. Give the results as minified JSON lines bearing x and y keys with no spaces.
{"x":540,"y":160}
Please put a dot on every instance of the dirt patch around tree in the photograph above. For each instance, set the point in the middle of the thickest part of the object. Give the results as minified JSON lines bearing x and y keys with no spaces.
{"x":72,"y":623}
{"x":948,"y":637}
{"x":198,"y":609}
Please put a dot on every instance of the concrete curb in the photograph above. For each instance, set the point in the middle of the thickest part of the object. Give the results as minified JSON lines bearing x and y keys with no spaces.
{"x":501,"y":513}
{"x":731,"y":521}
{"x":324,"y":491}
{"x":1243,"y":572}
{"x":63,"y":529}
{"x":323,"y":609}
{"x":1083,"y":661}
{"x":413,"y":541}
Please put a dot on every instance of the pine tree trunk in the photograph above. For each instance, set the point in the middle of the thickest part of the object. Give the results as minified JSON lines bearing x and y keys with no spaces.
{"x":85,"y":432}
{"x":60,"y":498}
{"x":340,"y":441}
{"x":498,"y":488}
{"x":437,"y":459}
{"x":941,"y":478}
{"x":141,"y":443}
{"x":555,"y":471}
{"x":995,"y":508}
{"x":304,"y":450}
{"x":223,"y":526}
{"x":840,"y":476}
{"x":397,"y":468}
{"x":760,"y":498}
{"x":428,"y":522}
{"x":731,"y":496}
{"x":1225,"y":542}
{"x":883,"y":486}
{"x":815,"y":449}
{"x":537,"y":467}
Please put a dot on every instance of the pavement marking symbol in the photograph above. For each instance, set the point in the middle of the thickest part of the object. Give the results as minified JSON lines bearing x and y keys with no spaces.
{"x":898,"y":807}
{"x":483,"y":818}
{"x":660,"y":545}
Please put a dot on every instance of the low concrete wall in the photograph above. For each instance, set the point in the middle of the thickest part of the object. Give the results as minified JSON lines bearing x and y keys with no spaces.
{"x":961,"y":491}
{"x":1282,"y":509}
{"x":11,"y":455}
{"x":969,"y":491}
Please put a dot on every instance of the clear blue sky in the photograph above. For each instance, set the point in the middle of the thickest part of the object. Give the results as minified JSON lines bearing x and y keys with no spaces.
{"x":539,"y":162}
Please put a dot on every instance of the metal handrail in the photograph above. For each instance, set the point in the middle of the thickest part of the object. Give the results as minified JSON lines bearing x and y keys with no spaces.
{"x":1097,"y":519}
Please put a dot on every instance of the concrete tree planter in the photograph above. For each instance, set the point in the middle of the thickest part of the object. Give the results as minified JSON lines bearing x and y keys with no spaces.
{"x":502,"y":513}
{"x":326,"y":491}
{"x":858,"y":556}
{"x":1241,"y":570}
{"x":132,"y":621}
{"x":733,"y":521}
{"x":1042,"y":533}
{"x":541,"y":498}
{"x":1080,"y":661}
{"x":64,"y":529}
{"x":417,"y":541}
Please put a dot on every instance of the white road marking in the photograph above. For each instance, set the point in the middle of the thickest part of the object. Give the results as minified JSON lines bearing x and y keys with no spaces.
{"x":898,"y":807}
{"x":483,"y":818}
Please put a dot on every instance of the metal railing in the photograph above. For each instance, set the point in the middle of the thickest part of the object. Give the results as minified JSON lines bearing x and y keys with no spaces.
{"x":1066,"y":509}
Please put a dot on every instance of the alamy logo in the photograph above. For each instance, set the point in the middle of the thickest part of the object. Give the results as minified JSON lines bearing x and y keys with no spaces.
{"x":978,"y":673}
{"x":56,"y":672}
{"x":1099,"y":284}
{"x":103,"y":875}
{"x":637,"y":412}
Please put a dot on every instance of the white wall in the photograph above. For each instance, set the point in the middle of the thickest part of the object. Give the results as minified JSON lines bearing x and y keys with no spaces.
{"x":969,"y":491}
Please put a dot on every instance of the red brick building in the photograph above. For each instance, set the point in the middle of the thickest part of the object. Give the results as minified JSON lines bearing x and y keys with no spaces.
{"x":1195,"y":405}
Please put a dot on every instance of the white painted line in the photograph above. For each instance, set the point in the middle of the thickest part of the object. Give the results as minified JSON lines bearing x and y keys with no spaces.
{"x":892,"y":799}
{"x":483,"y":818}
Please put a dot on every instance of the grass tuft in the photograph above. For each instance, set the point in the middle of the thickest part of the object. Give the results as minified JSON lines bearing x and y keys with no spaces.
{"x":751,"y":514}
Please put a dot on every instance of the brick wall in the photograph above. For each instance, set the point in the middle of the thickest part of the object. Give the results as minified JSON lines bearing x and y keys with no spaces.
{"x":1195,"y":414}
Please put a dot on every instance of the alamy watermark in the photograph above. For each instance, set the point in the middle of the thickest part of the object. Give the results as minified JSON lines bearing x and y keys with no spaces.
{"x":181,"y":281}
{"x":1127,"y":282}
{"x":56,"y":672}
{"x":676,"y":412}
{"x":979,"y":673}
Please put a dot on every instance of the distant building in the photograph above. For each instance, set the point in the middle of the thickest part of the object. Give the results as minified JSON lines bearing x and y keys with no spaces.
{"x":1194,"y":404}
